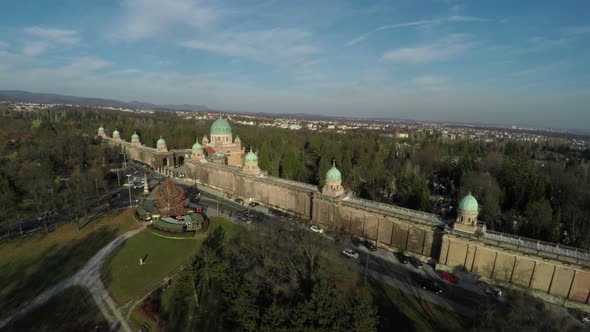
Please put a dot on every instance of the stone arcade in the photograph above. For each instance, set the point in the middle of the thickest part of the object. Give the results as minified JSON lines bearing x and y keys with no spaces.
{"x":554,"y":272}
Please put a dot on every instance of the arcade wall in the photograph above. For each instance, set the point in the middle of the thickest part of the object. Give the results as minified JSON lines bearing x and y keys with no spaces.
{"x":397,"y":232}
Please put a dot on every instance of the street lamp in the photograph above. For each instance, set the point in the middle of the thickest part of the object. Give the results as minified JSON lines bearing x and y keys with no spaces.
{"x":129,"y":183}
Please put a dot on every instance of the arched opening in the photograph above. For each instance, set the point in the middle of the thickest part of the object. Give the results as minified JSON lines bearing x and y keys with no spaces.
{"x":165,"y":161}
{"x":180,"y":161}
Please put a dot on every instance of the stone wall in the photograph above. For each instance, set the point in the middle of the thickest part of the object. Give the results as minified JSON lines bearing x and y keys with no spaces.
{"x":559,"y":279}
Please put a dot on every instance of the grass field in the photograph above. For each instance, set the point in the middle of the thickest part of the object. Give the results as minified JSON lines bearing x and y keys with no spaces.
{"x":126,"y":279}
{"x":31,"y":264}
{"x":72,"y":310}
{"x":404,"y":312}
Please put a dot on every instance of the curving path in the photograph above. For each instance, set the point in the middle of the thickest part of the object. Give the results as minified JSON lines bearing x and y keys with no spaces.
{"x":88,"y":276}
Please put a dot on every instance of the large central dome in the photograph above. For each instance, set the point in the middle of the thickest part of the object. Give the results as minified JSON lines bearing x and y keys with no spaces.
{"x":220,"y":127}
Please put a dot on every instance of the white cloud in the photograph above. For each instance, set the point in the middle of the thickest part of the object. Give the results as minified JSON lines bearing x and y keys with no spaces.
{"x":440,"y":50}
{"x":579,"y":30}
{"x":69,"y":37}
{"x":148,"y":18}
{"x":35,"y":48}
{"x":429,"y":80}
{"x":270,"y":46}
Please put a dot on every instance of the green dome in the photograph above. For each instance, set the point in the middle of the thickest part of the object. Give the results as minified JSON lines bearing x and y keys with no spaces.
{"x":101,"y":130}
{"x":468,"y":203}
{"x":334,"y":173}
{"x":220,"y":127}
{"x":161,"y":141}
{"x":251,"y":156}
{"x":197,"y":146}
{"x":115,"y":133}
{"x":135,"y":136}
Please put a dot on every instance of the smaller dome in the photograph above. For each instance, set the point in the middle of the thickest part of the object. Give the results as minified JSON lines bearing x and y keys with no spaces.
{"x":161,"y":141}
{"x":116,"y":133}
{"x":197,"y":146}
{"x":468,"y":203}
{"x":101,"y":130}
{"x":134,"y":136}
{"x":237,"y":139}
{"x":333,"y":173}
{"x":251,"y":156}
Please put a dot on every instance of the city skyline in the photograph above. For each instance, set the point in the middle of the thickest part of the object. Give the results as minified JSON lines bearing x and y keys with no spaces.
{"x":508,"y":63}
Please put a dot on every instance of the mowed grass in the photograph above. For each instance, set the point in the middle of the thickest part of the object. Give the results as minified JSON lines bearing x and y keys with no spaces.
{"x":72,"y":310}
{"x":126,"y":279}
{"x":400,"y":311}
{"x":34,"y":263}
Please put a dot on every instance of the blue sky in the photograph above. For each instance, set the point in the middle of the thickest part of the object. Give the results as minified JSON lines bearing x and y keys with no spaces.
{"x":506,"y":62}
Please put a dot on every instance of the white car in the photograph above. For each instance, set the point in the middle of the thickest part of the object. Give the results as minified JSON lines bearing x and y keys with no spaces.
{"x":350,"y":253}
{"x":317,"y":229}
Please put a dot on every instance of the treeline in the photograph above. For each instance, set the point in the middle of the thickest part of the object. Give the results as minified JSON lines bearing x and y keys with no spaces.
{"x":533,"y":189}
{"x":48,"y":168}
{"x":269,"y":280}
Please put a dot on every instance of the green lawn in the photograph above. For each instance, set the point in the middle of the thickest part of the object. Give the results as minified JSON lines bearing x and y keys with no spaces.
{"x":126,"y":279}
{"x":72,"y":310}
{"x":31,"y":264}
{"x":401,"y":311}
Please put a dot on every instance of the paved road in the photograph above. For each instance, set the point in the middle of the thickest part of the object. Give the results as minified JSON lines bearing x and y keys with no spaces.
{"x":89,"y":277}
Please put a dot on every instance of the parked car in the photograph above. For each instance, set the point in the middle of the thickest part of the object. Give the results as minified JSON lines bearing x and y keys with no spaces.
{"x":370,"y":246}
{"x":350,"y":253}
{"x":254,"y":204}
{"x":317,"y":229}
{"x":585,"y":319}
{"x":356,"y":242}
{"x":494,"y":291}
{"x":416,"y":263}
{"x":239,"y":201}
{"x":401,"y":258}
{"x":449,"y":277}
{"x":431,"y":285}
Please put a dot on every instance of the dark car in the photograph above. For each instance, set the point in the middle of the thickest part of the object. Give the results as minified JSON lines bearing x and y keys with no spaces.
{"x":416,"y":263}
{"x":254,"y":204}
{"x":239,"y":201}
{"x":401,"y":258}
{"x":430,"y":285}
{"x":370,"y":246}
{"x":356,"y":242}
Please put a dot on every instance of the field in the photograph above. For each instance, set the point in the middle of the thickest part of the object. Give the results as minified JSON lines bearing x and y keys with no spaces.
{"x":58,"y":314}
{"x":403,"y":312}
{"x":126,"y":279}
{"x":31,"y":264}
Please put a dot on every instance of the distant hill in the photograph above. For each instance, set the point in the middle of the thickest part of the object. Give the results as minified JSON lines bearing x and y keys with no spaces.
{"x":51,"y":98}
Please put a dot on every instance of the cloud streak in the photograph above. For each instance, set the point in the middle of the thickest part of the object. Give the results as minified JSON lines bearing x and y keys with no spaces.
{"x":419,"y":23}
{"x":439,"y":50}
{"x":276,"y":45}
{"x":68,"y":37}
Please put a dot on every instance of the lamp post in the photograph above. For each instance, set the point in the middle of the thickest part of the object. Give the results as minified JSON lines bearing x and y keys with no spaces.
{"x":129,"y":183}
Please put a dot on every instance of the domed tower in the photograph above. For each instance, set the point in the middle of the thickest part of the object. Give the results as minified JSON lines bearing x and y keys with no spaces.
{"x":467,"y":212}
{"x":116,"y":135}
{"x":333,"y":186}
{"x":135,"y":139}
{"x":197,"y":152}
{"x":221,"y":132}
{"x":161,"y":145}
{"x":101,"y":132}
{"x":251,"y":164}
{"x":238,"y":142}
{"x":205,"y":140}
